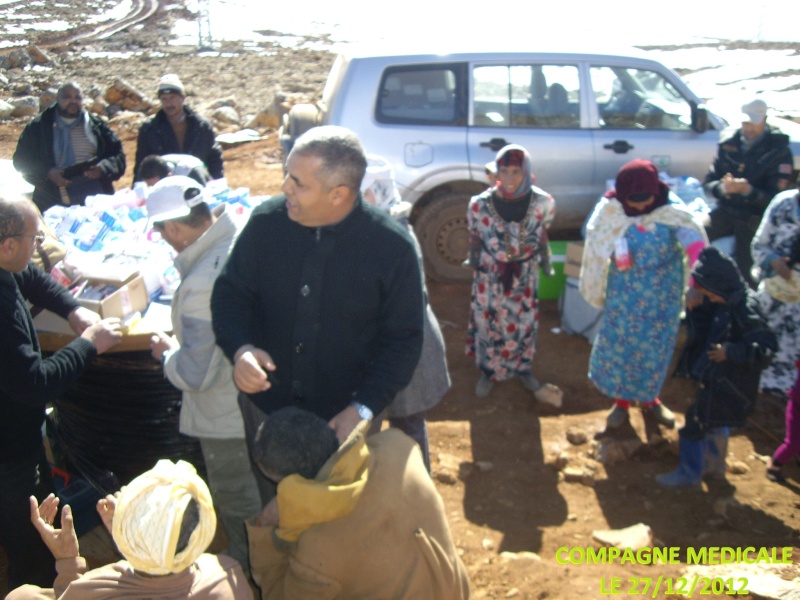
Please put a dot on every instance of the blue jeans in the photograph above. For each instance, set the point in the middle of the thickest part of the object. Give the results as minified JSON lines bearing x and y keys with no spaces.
{"x":29,"y":560}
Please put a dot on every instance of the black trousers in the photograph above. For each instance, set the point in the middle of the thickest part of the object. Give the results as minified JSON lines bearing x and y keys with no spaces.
{"x":723,"y":223}
{"x":29,"y":560}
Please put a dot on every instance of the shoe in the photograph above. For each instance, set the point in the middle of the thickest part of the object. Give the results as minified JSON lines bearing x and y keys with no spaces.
{"x":550,"y":394}
{"x":616,"y":417}
{"x":775,"y":474}
{"x":662,"y":415}
{"x":483,"y":387}
{"x":529,"y":382}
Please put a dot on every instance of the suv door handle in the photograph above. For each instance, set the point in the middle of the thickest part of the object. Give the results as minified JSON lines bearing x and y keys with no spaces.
{"x":494,"y":144}
{"x":619,"y":146}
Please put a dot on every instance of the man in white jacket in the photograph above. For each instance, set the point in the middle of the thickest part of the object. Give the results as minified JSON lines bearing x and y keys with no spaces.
{"x":193,"y":362}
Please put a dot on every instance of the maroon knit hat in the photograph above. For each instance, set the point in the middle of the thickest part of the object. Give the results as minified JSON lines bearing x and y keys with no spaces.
{"x":639,"y":177}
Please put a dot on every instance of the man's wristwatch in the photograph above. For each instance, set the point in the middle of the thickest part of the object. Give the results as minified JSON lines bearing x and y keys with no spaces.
{"x":363,"y":411}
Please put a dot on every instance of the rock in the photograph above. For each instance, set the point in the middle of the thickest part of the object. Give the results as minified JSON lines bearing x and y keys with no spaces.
{"x":484,"y":465}
{"x":121,"y":93}
{"x":449,"y":461}
{"x":513,"y":556}
{"x":39,"y":56}
{"x":98,"y":106}
{"x":16,"y":59}
{"x":25,"y":107}
{"x":575,"y":475}
{"x":220,"y":102}
{"x":609,"y":451}
{"x":6,"y":109}
{"x":225,"y":115}
{"x":47,"y":98}
{"x":738,"y":468}
{"x":633,"y":537}
{"x":22,"y":88}
{"x":560,"y":461}
{"x":446,"y":477}
{"x":512,"y":593}
{"x":487,"y":544}
{"x":576,"y":436}
{"x":3,"y":80}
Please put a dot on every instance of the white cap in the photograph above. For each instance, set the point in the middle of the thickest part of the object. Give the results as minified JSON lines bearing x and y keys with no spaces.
{"x":170,"y":84}
{"x":754,"y":112}
{"x":173,"y":197}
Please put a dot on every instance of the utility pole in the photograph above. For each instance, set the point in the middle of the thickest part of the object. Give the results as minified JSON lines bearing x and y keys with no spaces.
{"x":204,"y":25}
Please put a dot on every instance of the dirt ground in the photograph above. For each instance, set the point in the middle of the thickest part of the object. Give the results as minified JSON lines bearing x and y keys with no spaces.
{"x":494,"y":459}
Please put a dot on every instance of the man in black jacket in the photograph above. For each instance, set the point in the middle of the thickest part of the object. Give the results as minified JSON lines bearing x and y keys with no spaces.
{"x":28,"y":381}
{"x":320,"y":302}
{"x":751,"y":166}
{"x":177,"y":129}
{"x":68,"y":154}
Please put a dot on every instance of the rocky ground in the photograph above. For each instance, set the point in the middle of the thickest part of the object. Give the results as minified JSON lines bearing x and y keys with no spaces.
{"x":519,"y":480}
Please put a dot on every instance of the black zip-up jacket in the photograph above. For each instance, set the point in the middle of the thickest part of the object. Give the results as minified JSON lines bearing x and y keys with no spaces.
{"x":27,"y":380}
{"x":35,"y":156}
{"x":338,"y":308}
{"x":157,"y":137}
{"x":764,"y":166}
{"x":728,"y":389}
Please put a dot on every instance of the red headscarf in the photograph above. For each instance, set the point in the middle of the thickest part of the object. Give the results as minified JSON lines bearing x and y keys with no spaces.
{"x":639,"y":177}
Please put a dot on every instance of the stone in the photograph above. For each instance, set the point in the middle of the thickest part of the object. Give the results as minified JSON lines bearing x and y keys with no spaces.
{"x":484,"y":465}
{"x":560,"y":461}
{"x":512,"y":593}
{"x":445,"y":477}
{"x":226,"y":115}
{"x":633,"y":537}
{"x":16,"y":59}
{"x":576,"y":436}
{"x":39,"y":56}
{"x":6,"y":109}
{"x":98,"y":106}
{"x":487,"y":544}
{"x":47,"y":98}
{"x":449,"y":461}
{"x":25,"y":107}
{"x":738,"y":467}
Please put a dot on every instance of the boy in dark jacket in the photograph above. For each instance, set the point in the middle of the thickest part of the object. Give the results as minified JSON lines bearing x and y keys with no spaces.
{"x":729,"y":345}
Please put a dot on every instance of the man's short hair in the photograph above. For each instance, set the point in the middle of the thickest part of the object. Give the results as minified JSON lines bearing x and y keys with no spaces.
{"x":12,"y":216}
{"x":69,"y":85}
{"x":154,"y":166}
{"x":344,"y":161}
{"x":294,"y":441}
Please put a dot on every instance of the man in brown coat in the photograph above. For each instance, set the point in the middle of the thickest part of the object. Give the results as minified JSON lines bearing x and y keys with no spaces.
{"x":363,"y":520}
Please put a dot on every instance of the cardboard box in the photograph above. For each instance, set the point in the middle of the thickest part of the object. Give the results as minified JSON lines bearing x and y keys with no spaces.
{"x":572,"y":262}
{"x":130,"y":297}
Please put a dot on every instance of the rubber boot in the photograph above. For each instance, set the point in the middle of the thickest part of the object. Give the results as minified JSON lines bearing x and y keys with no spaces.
{"x":689,"y":473}
{"x":715,"y":466}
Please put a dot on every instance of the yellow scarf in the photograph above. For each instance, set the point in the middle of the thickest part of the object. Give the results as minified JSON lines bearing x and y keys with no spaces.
{"x":334,"y":493}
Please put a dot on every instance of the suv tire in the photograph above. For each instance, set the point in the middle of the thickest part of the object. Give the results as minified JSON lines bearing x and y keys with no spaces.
{"x":442,"y":231}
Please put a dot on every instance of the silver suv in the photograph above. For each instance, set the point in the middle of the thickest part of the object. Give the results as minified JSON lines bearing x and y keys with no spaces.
{"x":439,"y":118}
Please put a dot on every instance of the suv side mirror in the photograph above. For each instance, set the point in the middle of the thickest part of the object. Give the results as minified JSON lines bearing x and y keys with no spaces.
{"x":699,"y":117}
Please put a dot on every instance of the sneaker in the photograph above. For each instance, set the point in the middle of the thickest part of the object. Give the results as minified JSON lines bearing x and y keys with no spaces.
{"x":483,"y":387}
{"x":529,"y":382}
{"x":662,"y":415}
{"x":616,"y":417}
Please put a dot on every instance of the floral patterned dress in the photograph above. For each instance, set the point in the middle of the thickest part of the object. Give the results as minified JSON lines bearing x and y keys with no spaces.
{"x":778,"y":229}
{"x":504,"y":314}
{"x":631,"y":353}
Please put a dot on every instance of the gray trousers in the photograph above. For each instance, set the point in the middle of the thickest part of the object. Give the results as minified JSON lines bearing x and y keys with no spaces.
{"x":234,"y":490}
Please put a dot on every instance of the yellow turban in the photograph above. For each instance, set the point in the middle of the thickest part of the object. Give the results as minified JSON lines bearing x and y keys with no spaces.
{"x":149,"y":513}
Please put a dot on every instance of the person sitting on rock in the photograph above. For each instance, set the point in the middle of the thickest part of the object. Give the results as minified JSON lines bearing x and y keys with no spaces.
{"x":162,"y":522}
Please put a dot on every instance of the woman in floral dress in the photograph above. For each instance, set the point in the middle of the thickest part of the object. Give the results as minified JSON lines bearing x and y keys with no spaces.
{"x":507,"y":229}
{"x":634,"y":266}
{"x":775,"y":242}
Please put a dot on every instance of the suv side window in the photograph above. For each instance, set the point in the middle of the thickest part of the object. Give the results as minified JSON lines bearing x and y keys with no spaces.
{"x":419,"y":95}
{"x":638,"y":99}
{"x":526,"y":96}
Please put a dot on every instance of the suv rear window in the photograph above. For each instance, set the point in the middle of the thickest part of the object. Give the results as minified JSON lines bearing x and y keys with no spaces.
{"x":421,"y":95}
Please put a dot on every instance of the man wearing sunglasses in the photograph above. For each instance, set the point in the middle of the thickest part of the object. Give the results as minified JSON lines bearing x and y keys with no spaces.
{"x":28,"y":381}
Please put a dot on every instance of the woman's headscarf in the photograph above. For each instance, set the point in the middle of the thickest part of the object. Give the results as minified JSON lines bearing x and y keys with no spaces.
{"x":514,"y":155}
{"x":639,"y":177}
